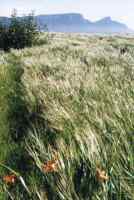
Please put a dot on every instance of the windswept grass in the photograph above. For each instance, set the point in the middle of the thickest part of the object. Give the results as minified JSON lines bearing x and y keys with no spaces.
{"x":70,"y":102}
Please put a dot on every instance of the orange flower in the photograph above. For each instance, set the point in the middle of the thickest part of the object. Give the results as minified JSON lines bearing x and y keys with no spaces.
{"x":9,"y":179}
{"x":50,"y":166}
{"x":101,"y":175}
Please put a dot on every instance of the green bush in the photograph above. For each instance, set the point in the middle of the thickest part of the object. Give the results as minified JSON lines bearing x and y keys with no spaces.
{"x":19,"y":33}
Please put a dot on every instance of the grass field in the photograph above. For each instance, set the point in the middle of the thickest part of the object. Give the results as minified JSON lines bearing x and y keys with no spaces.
{"x":67,"y":119}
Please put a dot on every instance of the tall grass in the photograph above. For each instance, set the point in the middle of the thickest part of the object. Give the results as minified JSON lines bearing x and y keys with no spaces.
{"x":72,"y":99}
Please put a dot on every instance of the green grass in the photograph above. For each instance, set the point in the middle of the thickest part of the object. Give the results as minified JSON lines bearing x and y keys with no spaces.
{"x":73,"y":97}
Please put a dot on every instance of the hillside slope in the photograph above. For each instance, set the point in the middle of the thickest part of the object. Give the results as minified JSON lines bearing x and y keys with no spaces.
{"x":68,"y":120}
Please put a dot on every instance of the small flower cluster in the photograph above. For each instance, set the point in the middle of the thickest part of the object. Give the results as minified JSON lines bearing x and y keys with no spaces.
{"x":10,"y":179}
{"x":51,"y":165}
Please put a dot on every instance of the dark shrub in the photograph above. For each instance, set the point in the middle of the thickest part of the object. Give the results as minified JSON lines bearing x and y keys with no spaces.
{"x":19,"y":33}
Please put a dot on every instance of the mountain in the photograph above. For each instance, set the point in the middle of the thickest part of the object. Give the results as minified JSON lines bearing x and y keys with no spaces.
{"x":75,"y":22}
{"x":71,"y":22}
{"x":108,"y":25}
{"x":5,"y":20}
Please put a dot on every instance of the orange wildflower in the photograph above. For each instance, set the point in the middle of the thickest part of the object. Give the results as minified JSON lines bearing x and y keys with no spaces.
{"x":9,"y":179}
{"x":50,"y":166}
{"x":101,"y":175}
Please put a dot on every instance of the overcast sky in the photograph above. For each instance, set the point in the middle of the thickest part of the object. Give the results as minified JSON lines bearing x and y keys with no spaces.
{"x":121,"y":10}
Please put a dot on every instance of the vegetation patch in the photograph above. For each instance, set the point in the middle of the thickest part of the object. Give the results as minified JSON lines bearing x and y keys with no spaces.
{"x":67,"y":120}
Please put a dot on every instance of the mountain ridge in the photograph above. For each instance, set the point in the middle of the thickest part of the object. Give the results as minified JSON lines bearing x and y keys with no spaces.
{"x":75,"y":22}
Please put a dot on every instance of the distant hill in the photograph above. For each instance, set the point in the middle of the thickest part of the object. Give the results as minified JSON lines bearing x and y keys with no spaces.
{"x":108,"y":25}
{"x":64,"y":22}
{"x":75,"y":22}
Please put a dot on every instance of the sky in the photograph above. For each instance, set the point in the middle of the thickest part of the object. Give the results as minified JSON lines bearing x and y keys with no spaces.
{"x":121,"y":10}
